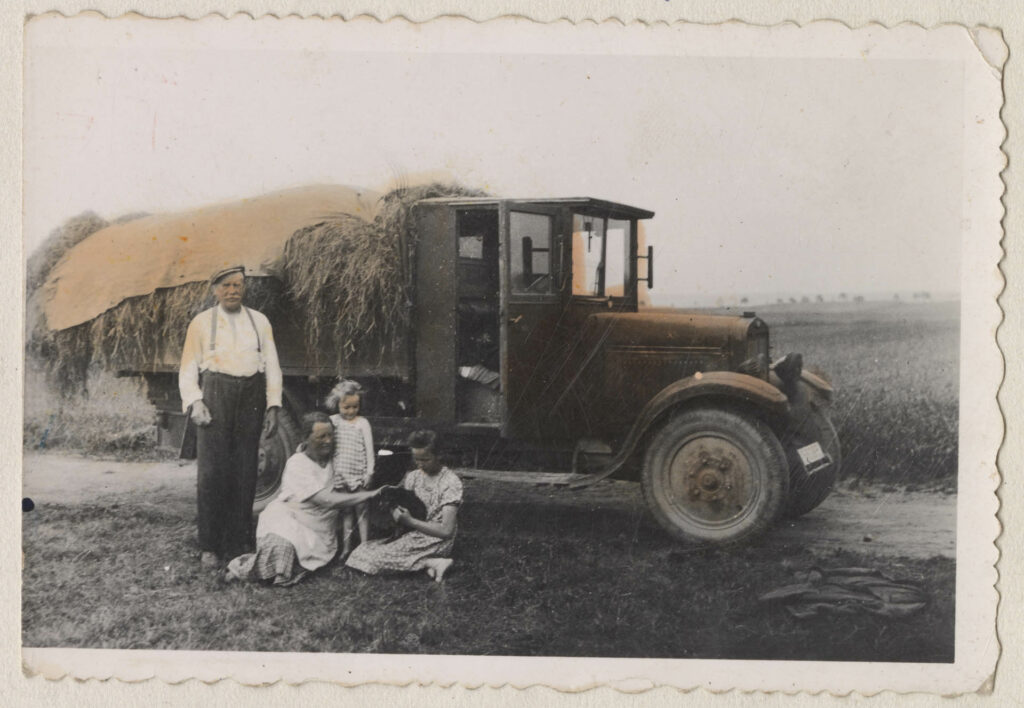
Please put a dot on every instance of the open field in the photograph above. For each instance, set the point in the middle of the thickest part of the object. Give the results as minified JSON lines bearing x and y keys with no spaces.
{"x":117,"y":569}
{"x":894,"y":365}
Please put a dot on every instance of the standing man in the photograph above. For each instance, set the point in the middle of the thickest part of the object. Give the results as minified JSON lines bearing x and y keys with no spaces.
{"x":229,"y":375}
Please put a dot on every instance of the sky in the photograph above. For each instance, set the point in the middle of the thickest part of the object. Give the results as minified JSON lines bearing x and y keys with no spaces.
{"x":769,"y":177}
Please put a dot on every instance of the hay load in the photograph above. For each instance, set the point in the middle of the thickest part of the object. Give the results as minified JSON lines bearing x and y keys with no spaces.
{"x":60,"y":241}
{"x":351,"y":278}
{"x":329,"y":262}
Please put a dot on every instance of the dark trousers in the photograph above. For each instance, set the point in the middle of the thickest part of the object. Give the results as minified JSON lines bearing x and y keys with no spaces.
{"x":228,"y":451}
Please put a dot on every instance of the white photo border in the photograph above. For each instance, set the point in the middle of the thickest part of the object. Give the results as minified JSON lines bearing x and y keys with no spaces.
{"x":984,"y":52}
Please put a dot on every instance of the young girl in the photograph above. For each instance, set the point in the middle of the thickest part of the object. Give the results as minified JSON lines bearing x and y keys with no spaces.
{"x":353,"y":456}
{"x":427,"y":546}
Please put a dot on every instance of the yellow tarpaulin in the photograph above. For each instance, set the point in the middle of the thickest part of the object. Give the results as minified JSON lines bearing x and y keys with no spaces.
{"x":168,"y":250}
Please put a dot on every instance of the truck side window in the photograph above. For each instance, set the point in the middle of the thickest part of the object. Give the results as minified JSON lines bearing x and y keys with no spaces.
{"x":615,"y":254}
{"x":587,"y":254}
{"x":531,"y":252}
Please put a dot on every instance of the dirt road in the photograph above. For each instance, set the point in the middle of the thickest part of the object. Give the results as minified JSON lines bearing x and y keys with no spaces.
{"x":895,"y":524}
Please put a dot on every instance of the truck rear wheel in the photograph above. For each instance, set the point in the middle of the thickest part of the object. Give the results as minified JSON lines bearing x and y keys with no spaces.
{"x":713,"y":476}
{"x":274,"y":453}
{"x":807,"y":491}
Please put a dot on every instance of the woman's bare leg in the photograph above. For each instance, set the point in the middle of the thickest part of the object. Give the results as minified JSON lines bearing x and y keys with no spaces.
{"x":347,"y":519}
{"x":363,"y":522}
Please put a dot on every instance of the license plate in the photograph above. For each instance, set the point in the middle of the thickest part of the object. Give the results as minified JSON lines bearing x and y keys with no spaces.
{"x":813,"y":457}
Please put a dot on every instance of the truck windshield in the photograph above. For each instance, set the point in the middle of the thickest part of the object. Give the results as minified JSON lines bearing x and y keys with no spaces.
{"x":600,"y":249}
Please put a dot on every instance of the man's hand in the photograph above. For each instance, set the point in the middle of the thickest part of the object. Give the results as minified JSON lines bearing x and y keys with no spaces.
{"x":270,"y":421}
{"x":201,"y":414}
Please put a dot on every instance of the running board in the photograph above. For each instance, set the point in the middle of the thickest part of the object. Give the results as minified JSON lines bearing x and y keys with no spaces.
{"x":557,"y":479}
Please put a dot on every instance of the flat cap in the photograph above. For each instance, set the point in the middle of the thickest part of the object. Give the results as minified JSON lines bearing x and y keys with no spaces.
{"x":225,"y":272}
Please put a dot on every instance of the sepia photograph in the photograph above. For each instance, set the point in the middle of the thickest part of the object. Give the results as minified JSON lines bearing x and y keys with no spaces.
{"x":600,"y":348}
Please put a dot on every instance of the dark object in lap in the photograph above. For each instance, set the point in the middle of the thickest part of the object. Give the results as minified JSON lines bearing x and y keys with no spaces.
{"x":393,"y":497}
{"x":389,"y":470}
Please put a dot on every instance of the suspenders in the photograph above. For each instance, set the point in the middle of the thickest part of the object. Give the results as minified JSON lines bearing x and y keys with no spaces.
{"x":213,"y":330}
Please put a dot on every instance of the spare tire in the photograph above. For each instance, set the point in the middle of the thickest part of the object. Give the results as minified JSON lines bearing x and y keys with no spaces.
{"x":274,"y":453}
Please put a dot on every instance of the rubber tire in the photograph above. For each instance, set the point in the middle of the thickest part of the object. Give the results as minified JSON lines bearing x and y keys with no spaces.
{"x":274,"y":453}
{"x":806,"y":493}
{"x":765,"y":459}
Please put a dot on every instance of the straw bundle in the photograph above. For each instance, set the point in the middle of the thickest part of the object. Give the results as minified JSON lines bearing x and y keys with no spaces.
{"x":59,"y":242}
{"x":350,"y":279}
{"x":344,"y":281}
{"x":68,"y":371}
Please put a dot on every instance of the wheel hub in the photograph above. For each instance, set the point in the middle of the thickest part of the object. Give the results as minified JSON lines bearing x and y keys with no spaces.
{"x":715,"y":478}
{"x":710,"y":473}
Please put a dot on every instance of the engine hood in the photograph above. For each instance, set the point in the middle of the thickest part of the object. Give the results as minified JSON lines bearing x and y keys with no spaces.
{"x":669,"y":329}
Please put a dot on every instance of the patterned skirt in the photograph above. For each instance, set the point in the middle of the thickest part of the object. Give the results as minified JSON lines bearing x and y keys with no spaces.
{"x":404,"y":554}
{"x":274,"y":560}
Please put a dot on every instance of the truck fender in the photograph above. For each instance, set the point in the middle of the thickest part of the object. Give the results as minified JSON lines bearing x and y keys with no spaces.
{"x":717,"y":384}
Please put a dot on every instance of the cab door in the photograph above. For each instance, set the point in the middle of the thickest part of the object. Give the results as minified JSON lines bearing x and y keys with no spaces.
{"x":533,"y":288}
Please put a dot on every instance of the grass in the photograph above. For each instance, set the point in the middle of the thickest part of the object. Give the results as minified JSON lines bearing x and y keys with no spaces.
{"x":115,"y":419}
{"x":124,"y":575}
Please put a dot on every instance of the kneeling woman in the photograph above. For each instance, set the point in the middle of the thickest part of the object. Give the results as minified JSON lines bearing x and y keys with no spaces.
{"x":427,"y":545}
{"x":297,"y":532}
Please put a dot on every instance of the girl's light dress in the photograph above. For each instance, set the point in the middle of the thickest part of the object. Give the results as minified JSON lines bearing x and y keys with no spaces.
{"x":353,"y":453}
{"x":292,"y":531}
{"x":407,"y":552}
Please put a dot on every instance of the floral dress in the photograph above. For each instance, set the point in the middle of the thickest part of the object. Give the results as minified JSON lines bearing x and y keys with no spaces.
{"x":407,"y":552}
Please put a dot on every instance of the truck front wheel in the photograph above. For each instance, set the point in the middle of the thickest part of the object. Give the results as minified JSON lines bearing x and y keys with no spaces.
{"x":714,"y":476}
{"x":274,"y":452}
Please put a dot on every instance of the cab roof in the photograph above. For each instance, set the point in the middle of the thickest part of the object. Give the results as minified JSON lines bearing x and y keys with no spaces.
{"x":583,"y":205}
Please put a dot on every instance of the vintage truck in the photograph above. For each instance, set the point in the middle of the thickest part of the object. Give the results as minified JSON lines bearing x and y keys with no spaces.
{"x":526,"y":339}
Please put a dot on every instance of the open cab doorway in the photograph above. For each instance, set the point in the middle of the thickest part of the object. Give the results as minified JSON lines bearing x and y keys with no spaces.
{"x":478,"y":326}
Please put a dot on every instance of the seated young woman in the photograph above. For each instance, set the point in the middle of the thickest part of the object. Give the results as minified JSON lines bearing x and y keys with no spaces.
{"x":297,"y":532}
{"x":427,"y":545}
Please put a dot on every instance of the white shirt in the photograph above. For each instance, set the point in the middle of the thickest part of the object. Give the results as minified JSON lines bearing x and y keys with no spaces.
{"x":238,"y":352}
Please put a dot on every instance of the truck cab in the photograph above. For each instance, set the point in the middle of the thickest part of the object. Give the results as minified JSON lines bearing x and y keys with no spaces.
{"x":504,"y":291}
{"x":528,"y":330}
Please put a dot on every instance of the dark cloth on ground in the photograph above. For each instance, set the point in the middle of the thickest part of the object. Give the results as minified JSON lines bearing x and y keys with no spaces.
{"x":847,"y":591}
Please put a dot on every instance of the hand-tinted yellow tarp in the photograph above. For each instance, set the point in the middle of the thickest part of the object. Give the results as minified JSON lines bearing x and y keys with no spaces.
{"x":168,"y":250}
